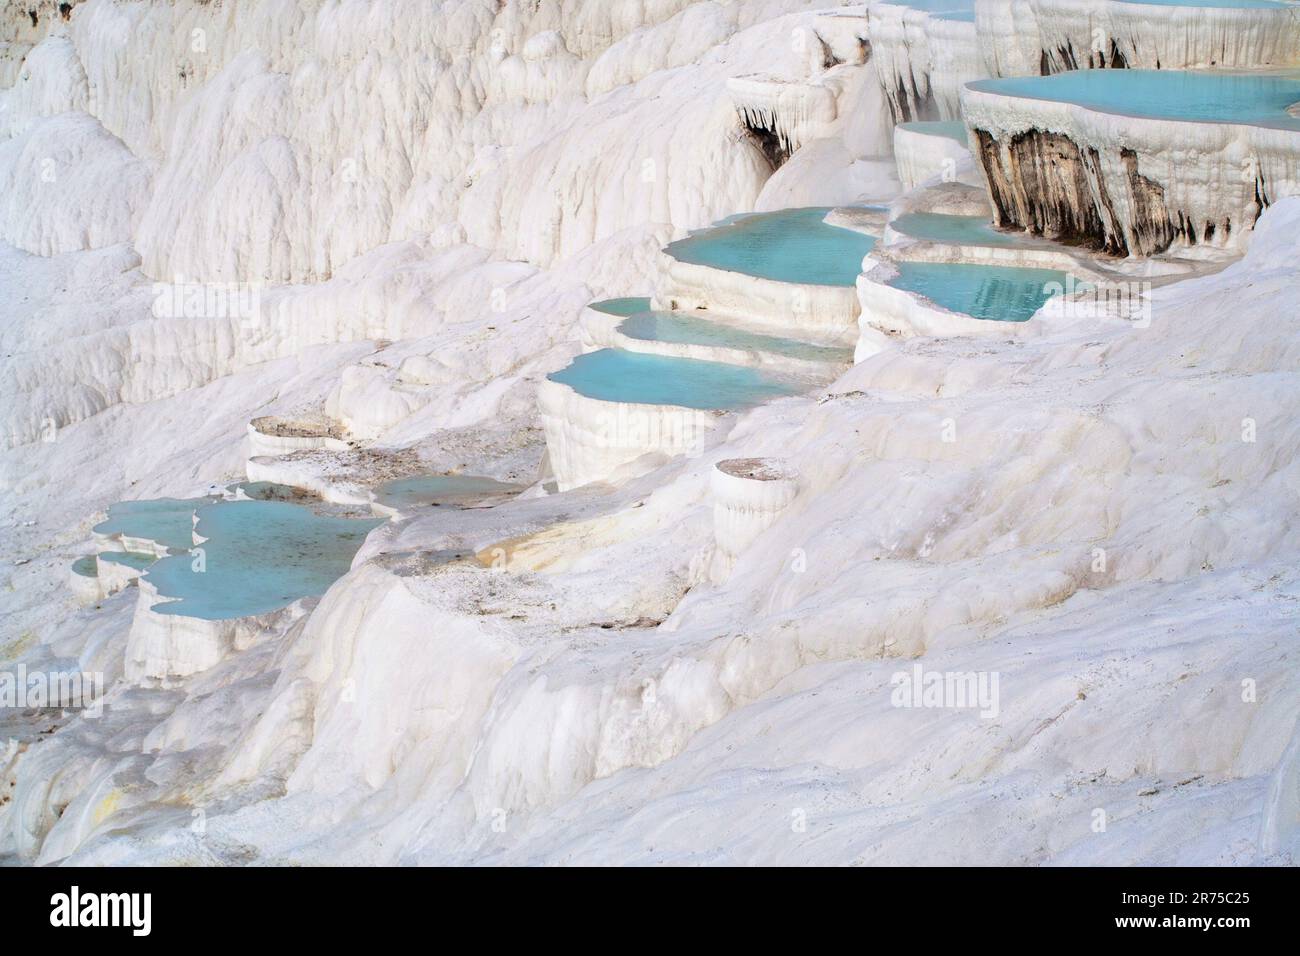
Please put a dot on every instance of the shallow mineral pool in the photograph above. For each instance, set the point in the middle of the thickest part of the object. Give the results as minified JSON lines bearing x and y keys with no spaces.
{"x":793,"y":245}
{"x":86,"y":566}
{"x":426,"y":490}
{"x":952,"y":129}
{"x":686,"y":329}
{"x":630,"y":305}
{"x":935,"y":6}
{"x":166,"y":521}
{"x":999,"y":293}
{"x":614,"y":375}
{"x":1228,"y":4}
{"x":259,"y":556}
{"x":960,"y":230}
{"x":1256,"y":99}
{"x":131,"y":559}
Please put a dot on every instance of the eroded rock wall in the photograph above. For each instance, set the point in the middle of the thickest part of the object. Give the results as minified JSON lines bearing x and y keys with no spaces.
{"x":1071,"y":174}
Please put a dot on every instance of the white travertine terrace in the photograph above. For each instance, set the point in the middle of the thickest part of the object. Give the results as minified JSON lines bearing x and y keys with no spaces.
{"x":791,"y":114}
{"x":591,"y":440}
{"x":272,"y":435}
{"x":1191,"y":183}
{"x":85,"y":588}
{"x":169,"y":647}
{"x":1034,"y":37}
{"x":922,"y":60}
{"x":822,"y":312}
{"x":923,"y":155}
{"x":748,"y":496}
{"x":114,"y":575}
{"x":599,"y":333}
{"x":786,"y":114}
{"x":305,"y":473}
{"x":890,"y":314}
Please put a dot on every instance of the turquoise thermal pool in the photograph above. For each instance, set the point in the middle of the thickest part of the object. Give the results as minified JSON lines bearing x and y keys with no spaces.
{"x":935,"y":6}
{"x":793,"y":245}
{"x":957,"y":230}
{"x":1225,"y":4}
{"x":428,"y":490}
{"x":630,"y":305}
{"x":86,"y":566}
{"x":614,"y":375}
{"x":952,"y":129}
{"x":686,"y":329}
{"x":167,"y":521}
{"x":999,"y":293}
{"x":258,"y":556}
{"x":1251,"y":99}
{"x":131,"y":559}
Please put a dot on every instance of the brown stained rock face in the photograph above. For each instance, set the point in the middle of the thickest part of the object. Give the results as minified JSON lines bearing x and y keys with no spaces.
{"x":760,"y":129}
{"x":1043,"y":183}
{"x":907,"y":105}
{"x":1152,"y":227}
{"x":1064,"y":59}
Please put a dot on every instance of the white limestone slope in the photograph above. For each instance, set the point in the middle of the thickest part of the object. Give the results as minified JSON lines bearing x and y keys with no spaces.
{"x":293,"y":137}
{"x":381,"y":147}
{"x":1101,"y":533}
{"x":591,"y":440}
{"x":923,"y":154}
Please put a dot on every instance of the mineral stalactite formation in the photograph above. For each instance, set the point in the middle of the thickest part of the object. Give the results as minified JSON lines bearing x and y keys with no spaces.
{"x":1043,"y":183}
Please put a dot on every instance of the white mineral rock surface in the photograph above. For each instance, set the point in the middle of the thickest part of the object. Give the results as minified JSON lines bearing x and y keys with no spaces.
{"x":922,"y":60}
{"x":1029,"y":37}
{"x":405,"y":207}
{"x":923,"y":155}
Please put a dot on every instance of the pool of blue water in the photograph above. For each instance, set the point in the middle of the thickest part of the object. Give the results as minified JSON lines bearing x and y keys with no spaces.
{"x":630,"y":305}
{"x":1231,"y":4}
{"x":686,"y":329}
{"x":131,"y":559}
{"x":952,"y":129}
{"x":941,"y":227}
{"x":164,"y":520}
{"x":1210,"y":97}
{"x":613,"y":375}
{"x":936,"y":6}
{"x":259,"y":556}
{"x":422,"y":490}
{"x":999,"y":293}
{"x":86,"y":566}
{"x":793,"y":245}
